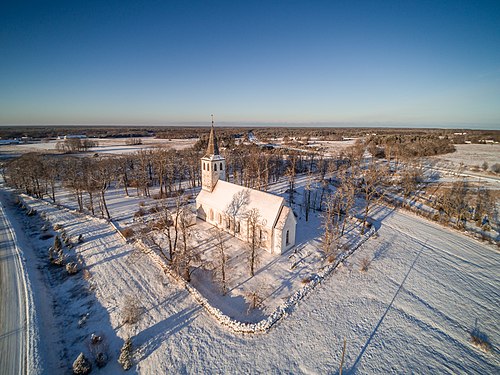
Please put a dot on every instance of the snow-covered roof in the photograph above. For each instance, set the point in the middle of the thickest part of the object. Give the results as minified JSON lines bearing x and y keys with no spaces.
{"x":213,"y":157}
{"x":269,"y":205}
{"x":285,"y":211}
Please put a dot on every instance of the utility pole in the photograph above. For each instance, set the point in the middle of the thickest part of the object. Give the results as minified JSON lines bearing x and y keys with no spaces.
{"x":342,"y":360}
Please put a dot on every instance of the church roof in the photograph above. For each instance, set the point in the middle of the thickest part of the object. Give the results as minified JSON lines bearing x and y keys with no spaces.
{"x":213,"y":147}
{"x":269,"y":205}
{"x":285,"y":211}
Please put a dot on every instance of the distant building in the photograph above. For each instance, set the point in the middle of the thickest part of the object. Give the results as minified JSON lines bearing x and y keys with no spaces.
{"x":226,"y":205}
{"x":72,"y":136}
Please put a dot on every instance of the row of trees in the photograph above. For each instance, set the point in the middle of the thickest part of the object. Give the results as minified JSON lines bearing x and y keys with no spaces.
{"x":463,"y":203}
{"x":170,"y":171}
{"x":73,"y":145}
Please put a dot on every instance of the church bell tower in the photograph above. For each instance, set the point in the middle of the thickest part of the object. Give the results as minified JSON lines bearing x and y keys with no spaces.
{"x":213,"y":165}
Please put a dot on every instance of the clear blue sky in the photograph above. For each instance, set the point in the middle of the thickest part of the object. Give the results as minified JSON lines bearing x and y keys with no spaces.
{"x":151,"y":62}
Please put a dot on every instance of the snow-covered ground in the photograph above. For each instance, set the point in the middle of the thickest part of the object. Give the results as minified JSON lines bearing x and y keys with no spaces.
{"x":425,"y":289}
{"x":106,"y":145}
{"x":472,"y":155}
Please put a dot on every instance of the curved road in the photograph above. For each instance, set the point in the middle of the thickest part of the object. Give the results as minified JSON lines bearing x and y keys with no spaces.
{"x":12,"y":304}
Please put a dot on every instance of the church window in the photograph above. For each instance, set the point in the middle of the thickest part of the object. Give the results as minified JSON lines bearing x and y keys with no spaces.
{"x":215,"y":167}
{"x":237,"y":227}
{"x":221,"y":167}
{"x":211,"y":214}
{"x":208,"y":167}
{"x":203,"y":166}
{"x":287,"y":237}
{"x":220,"y":219}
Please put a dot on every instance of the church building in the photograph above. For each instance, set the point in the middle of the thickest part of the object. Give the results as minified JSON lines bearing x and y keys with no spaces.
{"x":228,"y":206}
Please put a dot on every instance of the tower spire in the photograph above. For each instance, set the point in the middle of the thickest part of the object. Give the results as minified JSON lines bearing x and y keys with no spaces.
{"x":213,"y":148}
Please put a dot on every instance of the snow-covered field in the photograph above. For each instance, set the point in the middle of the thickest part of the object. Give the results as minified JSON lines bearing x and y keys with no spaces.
{"x":472,"y":155}
{"x":106,"y":145}
{"x":426,"y":288}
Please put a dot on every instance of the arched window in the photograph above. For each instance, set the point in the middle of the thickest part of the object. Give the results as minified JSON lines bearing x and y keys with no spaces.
{"x":220,"y":219}
{"x":211,"y":214}
{"x":208,"y":167}
{"x":203,"y":166}
{"x":221,"y":167}
{"x":215,"y":167}
{"x":287,"y":237}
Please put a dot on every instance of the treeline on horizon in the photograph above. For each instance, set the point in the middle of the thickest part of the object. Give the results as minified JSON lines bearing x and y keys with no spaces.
{"x":264,"y":133}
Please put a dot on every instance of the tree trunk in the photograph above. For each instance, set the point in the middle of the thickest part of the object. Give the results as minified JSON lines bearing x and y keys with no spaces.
{"x":105,"y":205}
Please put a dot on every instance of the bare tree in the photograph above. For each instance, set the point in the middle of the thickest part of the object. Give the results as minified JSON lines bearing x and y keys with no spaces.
{"x":236,"y":207}
{"x":103,"y":175}
{"x":51,"y":174}
{"x":372,"y":181}
{"x":222,"y":260}
{"x":254,"y":299}
{"x":159,"y":158}
{"x":328,"y":224}
{"x":411,"y":176}
{"x":291,"y":174}
{"x":485,"y":205}
{"x":186,"y":254}
{"x":254,"y":237}
{"x":307,"y":196}
{"x":73,"y":178}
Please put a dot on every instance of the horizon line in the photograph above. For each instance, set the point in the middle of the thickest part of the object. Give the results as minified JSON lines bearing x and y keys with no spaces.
{"x":296,"y":124}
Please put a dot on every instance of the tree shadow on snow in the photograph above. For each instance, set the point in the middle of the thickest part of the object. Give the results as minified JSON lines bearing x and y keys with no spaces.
{"x":353,"y":368}
{"x":150,"y":339}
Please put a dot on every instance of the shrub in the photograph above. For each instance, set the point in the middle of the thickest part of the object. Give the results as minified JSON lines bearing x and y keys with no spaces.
{"x":254,"y":300}
{"x":154,"y":209}
{"x":486,"y":227}
{"x":131,"y":310}
{"x":495,"y":168}
{"x":306,"y":280}
{"x":140,"y":213}
{"x":125,"y":358}
{"x":57,"y":244}
{"x":479,"y":340}
{"x":81,"y":366}
{"x":86,"y":274}
{"x":98,"y":349}
{"x":127,"y":232}
{"x":56,"y":255}
{"x":365,"y":263}
{"x":101,"y":359}
{"x":72,"y":268}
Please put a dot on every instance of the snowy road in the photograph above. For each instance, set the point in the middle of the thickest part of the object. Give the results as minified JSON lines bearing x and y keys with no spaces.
{"x":12,"y":304}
